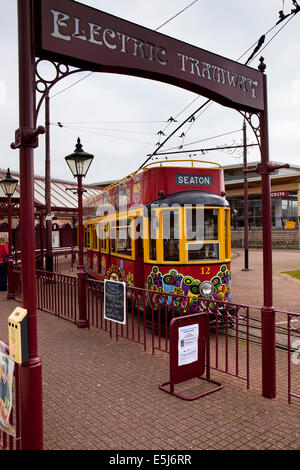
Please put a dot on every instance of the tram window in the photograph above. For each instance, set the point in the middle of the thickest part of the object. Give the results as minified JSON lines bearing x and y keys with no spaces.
{"x":194,"y":223}
{"x":123,"y":236}
{"x":201,"y":224}
{"x":210,"y":224}
{"x":170,"y":221}
{"x":104,"y":237}
{"x":226,"y":223}
{"x":113,"y":237}
{"x":94,"y":238}
{"x":86,"y":236}
{"x":203,"y":251}
{"x":152,"y":239}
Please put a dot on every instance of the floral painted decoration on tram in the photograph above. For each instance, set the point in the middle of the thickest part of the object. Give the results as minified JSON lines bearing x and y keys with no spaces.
{"x":175,"y":283}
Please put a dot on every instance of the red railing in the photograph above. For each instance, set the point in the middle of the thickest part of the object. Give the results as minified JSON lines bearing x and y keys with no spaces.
{"x":57,"y":294}
{"x":149,"y":313}
{"x":16,"y":281}
{"x":7,"y":441}
{"x":288,"y":336}
{"x":233,"y":327}
{"x":135,"y":328}
{"x":64,"y":259}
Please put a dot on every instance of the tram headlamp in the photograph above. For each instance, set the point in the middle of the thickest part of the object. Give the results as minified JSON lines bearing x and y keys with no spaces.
{"x":206,"y":288}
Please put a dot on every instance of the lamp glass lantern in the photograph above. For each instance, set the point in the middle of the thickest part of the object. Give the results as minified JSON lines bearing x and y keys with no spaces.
{"x":79,"y":161}
{"x":9,"y":184}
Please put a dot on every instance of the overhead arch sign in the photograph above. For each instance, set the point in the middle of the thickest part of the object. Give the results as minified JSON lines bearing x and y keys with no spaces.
{"x":83,"y":36}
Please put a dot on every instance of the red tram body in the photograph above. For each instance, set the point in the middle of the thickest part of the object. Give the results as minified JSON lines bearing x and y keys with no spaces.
{"x":165,"y":228}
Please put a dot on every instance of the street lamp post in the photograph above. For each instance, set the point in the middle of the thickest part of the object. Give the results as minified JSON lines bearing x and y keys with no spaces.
{"x":79,"y":163}
{"x":8,"y":186}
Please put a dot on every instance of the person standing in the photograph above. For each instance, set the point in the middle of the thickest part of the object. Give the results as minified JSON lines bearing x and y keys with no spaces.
{"x":3,"y":264}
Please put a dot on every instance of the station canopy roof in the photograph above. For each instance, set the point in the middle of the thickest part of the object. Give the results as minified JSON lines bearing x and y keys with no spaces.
{"x":60,"y":198}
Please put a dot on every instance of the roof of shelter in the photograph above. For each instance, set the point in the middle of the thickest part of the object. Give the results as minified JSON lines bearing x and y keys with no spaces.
{"x":60,"y":198}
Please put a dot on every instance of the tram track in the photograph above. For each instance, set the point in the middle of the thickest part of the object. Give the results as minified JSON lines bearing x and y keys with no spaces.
{"x":255,"y":333}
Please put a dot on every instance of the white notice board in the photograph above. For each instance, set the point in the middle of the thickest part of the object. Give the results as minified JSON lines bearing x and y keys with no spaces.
{"x":188,"y":344}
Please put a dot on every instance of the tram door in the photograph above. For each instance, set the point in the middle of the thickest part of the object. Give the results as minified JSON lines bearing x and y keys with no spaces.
{"x":139,"y":256}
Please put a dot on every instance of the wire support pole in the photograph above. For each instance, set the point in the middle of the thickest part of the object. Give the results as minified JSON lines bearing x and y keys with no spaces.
{"x":268,"y":312}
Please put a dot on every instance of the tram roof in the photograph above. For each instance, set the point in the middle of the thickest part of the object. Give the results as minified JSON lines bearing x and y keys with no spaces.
{"x":191,"y":198}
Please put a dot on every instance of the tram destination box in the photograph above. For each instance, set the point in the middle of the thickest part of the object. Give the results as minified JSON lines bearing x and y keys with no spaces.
{"x":18,"y":335}
{"x":115,"y":301}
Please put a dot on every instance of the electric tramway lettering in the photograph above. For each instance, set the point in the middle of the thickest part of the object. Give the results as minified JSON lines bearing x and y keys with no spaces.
{"x":201,"y":70}
{"x":107,"y":37}
{"x":217,"y":74}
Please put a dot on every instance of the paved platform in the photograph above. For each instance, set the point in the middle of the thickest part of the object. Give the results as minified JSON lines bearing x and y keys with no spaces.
{"x":103,"y":394}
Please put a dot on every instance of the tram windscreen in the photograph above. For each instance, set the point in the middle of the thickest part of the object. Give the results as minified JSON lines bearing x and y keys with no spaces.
{"x":203,"y":251}
{"x":201,"y":229}
{"x":201,"y":224}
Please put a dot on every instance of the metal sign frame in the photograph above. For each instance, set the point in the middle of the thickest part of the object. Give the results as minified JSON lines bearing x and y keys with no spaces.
{"x":183,"y":372}
{"x":117,"y":311}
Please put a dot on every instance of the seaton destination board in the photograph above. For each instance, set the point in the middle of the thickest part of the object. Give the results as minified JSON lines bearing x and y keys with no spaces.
{"x":200,"y":180}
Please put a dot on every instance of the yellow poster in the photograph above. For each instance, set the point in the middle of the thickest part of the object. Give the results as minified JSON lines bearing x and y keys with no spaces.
{"x":290,"y":224}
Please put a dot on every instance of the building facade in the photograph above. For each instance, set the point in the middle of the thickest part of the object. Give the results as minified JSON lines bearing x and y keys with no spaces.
{"x":285,"y":203}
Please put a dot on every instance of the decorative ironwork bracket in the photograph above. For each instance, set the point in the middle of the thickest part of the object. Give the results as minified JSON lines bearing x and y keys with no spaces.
{"x":76,"y":190}
{"x":44,"y":85}
{"x":265,"y":168}
{"x":27,"y":137}
{"x":254,"y":120}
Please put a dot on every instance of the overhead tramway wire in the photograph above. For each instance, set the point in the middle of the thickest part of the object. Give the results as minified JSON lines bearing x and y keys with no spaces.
{"x":203,"y":140}
{"x":250,"y":59}
{"x":109,"y":136}
{"x":84,"y":128}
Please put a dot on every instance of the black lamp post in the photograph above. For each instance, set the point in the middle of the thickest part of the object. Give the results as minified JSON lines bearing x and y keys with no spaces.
{"x":79,"y":163}
{"x":8,"y":186}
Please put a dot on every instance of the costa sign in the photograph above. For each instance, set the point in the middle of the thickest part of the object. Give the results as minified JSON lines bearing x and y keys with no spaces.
{"x":280,"y":194}
{"x":83,"y":36}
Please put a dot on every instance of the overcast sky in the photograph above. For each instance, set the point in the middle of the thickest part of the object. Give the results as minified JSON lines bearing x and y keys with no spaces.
{"x":118,"y":117}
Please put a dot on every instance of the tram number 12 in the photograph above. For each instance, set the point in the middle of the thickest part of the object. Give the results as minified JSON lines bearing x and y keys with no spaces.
{"x":205,"y":270}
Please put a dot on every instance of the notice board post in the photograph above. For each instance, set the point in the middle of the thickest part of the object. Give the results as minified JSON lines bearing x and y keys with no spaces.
{"x":189,"y":353}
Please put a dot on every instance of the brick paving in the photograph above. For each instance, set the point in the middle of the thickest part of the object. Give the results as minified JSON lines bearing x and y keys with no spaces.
{"x":99,"y":393}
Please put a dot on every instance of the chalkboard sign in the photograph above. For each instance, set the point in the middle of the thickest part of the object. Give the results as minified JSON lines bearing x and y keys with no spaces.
{"x":115,"y":301}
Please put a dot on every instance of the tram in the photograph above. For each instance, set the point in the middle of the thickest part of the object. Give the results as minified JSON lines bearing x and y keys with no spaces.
{"x":165,"y":228}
